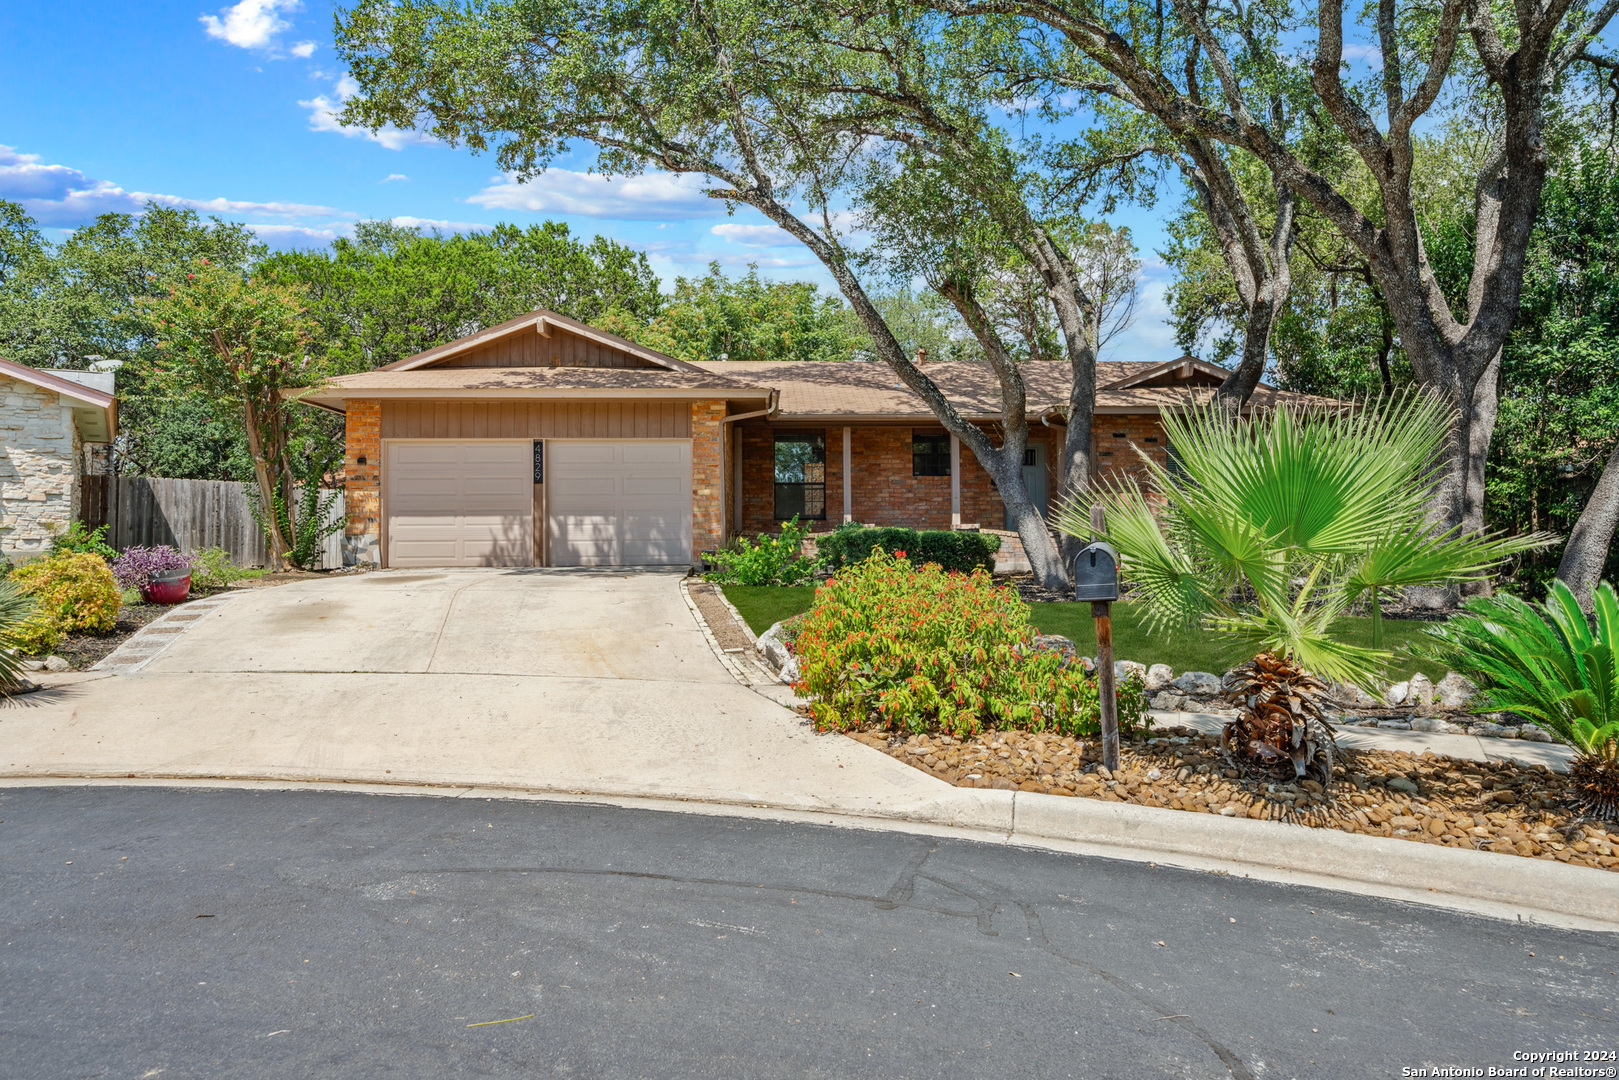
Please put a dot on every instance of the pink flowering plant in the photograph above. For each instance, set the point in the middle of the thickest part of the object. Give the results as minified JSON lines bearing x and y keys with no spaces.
{"x":922,"y":649}
{"x":138,"y":565}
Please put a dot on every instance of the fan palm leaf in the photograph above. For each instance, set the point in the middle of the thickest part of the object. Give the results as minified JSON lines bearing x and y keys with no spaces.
{"x":16,"y":608}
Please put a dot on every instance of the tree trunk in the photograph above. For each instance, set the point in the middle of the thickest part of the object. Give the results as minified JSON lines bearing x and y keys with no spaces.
{"x":1592,"y":535}
{"x":268,"y":484}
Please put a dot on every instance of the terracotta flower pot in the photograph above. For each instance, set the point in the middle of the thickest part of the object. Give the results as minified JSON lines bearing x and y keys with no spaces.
{"x":167,"y":588}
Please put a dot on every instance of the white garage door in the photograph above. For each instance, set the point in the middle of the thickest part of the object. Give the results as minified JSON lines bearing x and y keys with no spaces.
{"x":619,"y":502}
{"x":460,"y":503}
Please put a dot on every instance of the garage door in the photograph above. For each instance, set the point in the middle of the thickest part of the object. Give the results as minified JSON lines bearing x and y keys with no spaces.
{"x":619,"y":502}
{"x":460,"y":503}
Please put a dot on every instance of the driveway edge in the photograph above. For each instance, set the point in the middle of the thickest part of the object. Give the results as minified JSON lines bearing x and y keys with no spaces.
{"x":1537,"y":891}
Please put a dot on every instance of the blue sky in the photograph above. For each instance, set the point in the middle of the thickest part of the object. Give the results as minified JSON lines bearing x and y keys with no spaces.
{"x":228,"y":110}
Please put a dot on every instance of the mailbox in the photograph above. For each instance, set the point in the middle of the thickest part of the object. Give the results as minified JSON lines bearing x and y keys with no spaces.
{"x":1096,"y":573}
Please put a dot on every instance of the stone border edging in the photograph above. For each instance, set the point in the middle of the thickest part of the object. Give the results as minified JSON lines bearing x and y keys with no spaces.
{"x":726,"y":659}
{"x":149,"y":642}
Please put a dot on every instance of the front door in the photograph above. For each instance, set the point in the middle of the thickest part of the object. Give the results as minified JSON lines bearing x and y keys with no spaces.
{"x":1034,"y":478}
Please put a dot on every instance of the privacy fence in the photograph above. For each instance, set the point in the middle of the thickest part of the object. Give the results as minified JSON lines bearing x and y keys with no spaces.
{"x":186,"y":514}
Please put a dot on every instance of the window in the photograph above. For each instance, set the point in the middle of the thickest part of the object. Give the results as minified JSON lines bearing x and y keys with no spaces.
{"x":801,"y":477}
{"x":1172,"y":461}
{"x":930,"y":454}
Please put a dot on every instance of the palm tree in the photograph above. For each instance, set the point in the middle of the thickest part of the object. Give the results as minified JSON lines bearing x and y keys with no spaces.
{"x":16,"y":608}
{"x":1271,"y":529}
{"x":1552,"y":667}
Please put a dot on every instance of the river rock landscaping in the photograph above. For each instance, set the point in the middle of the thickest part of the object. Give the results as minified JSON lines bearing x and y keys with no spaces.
{"x":1501,"y":807}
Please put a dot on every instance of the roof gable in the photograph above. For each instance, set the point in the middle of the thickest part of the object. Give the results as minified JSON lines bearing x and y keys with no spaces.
{"x":543,"y":339}
{"x":1187,"y":370}
{"x":94,"y":411}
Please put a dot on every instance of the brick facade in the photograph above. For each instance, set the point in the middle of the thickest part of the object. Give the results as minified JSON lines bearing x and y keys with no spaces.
{"x":886,"y":493}
{"x":362,"y":483}
{"x":708,"y":461}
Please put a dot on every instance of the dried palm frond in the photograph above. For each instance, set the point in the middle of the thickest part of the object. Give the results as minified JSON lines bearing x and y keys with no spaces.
{"x":1280,"y":730}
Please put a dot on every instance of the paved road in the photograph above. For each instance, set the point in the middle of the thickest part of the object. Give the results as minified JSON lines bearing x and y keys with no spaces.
{"x":187,"y":933}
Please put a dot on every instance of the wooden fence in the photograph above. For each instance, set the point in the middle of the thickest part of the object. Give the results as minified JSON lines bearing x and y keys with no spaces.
{"x":186,"y":514}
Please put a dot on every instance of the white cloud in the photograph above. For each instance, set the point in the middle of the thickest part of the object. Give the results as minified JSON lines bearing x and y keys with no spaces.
{"x":323,"y":117}
{"x":58,"y":195}
{"x":405,"y":221}
{"x":753,"y":235}
{"x":253,"y":24}
{"x":392,"y":177}
{"x":650,"y":196}
{"x":1370,"y":55}
{"x":303,"y":50}
{"x":299,"y":236}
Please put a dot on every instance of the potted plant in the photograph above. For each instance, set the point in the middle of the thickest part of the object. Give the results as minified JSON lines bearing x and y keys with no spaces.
{"x":161,"y":574}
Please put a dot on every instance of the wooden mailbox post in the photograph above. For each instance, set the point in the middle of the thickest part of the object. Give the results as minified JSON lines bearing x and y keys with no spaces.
{"x":1096,"y":578}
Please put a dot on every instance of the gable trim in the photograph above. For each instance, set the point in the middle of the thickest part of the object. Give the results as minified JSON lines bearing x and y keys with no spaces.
{"x":540,"y":322}
{"x":1188,"y":362}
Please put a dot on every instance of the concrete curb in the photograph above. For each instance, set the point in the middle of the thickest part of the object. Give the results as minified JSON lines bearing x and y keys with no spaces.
{"x":1480,"y":883}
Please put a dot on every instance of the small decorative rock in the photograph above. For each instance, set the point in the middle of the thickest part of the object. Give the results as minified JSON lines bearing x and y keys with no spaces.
{"x":56,"y":663}
{"x":1168,"y":701}
{"x":1201,"y":683}
{"x":1159,"y":676}
{"x":789,"y":671}
{"x":1396,"y":694}
{"x":1351,"y":696}
{"x":33,"y":665}
{"x":1123,"y":669}
{"x":1455,"y":691}
{"x":772,"y":648}
{"x":1434,"y":724}
{"x":1400,"y":783}
{"x":1420,"y":692}
{"x":1529,"y":733}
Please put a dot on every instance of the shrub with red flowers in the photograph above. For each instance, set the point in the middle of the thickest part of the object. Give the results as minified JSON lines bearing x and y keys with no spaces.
{"x":920,"y":649}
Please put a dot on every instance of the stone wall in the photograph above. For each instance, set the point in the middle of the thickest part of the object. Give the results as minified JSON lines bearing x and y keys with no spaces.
{"x":39,"y":455}
{"x":707,"y":476}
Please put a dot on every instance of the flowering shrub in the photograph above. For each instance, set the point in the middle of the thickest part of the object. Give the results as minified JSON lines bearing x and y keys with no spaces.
{"x":72,"y":592}
{"x":139,"y":565}
{"x":768,"y":561}
{"x":922,"y":649}
{"x":963,"y":551}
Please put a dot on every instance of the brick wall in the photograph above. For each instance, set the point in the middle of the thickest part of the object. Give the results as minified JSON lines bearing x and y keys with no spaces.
{"x":362,"y":484}
{"x":707,"y":476}
{"x":885,"y":492}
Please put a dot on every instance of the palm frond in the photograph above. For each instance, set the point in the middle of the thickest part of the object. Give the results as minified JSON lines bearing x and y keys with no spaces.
{"x":16,"y":608}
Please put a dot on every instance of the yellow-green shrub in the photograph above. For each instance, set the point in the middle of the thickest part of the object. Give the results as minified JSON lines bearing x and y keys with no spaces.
{"x":74,"y":591}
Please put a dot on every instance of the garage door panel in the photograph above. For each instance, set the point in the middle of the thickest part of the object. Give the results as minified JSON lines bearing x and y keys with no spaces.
{"x":460,"y":504}
{"x":620,"y":503}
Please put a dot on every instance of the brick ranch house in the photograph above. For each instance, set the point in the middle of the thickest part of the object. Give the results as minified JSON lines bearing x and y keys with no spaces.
{"x":47,"y":419}
{"x":546,"y":442}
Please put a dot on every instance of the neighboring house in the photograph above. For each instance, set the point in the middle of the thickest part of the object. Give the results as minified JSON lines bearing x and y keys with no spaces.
{"x":47,"y":418}
{"x":545,"y":442}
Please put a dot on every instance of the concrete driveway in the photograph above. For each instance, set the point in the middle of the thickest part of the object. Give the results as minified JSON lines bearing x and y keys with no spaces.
{"x":582,"y":681}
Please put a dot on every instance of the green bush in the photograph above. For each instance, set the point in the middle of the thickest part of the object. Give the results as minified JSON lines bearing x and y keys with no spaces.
{"x":74,"y":592}
{"x":963,"y":552}
{"x":769,"y":560}
{"x":211,"y":568}
{"x":923,"y":649}
{"x":78,"y":539}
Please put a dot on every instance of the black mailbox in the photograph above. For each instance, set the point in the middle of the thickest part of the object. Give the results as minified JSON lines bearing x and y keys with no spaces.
{"x":1096,"y":573}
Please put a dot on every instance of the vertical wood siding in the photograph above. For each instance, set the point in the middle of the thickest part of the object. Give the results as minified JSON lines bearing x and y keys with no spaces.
{"x":527,"y":348}
{"x":536,"y":420}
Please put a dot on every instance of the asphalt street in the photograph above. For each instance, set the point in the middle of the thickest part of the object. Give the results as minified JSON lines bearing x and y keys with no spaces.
{"x":149,"y":932}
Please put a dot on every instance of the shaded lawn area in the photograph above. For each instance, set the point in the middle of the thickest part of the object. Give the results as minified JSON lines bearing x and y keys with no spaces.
{"x":764,"y":605}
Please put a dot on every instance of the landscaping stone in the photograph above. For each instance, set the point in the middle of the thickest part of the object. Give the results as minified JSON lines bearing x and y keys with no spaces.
{"x":1168,"y":701}
{"x":773,"y":649}
{"x":1159,"y":676}
{"x":1123,"y":669}
{"x":1455,"y":691}
{"x":1420,"y":692}
{"x":56,"y":663}
{"x":1496,"y":806}
{"x":1351,"y":696}
{"x":1201,"y":683}
{"x":1396,"y":694}
{"x":1433,"y":723}
{"x":1530,"y":733}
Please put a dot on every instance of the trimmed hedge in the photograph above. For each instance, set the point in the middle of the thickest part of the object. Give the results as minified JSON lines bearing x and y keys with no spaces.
{"x":962,"y":552}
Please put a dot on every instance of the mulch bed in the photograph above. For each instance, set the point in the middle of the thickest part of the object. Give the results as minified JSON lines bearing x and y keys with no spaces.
{"x":88,"y":650}
{"x":720,"y":621}
{"x":1424,"y":798}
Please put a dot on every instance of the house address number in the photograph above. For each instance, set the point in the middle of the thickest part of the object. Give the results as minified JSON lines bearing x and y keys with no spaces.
{"x":539,"y":461}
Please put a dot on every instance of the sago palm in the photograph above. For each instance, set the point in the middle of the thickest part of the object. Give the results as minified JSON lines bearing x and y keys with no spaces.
{"x":16,"y":608}
{"x":1550,"y":666}
{"x":1273,"y":527}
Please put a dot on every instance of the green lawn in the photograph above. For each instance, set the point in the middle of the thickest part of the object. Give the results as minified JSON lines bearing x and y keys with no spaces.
{"x":763,"y":605}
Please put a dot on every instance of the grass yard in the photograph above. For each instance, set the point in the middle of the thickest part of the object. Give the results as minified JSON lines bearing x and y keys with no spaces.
{"x":763,"y":605}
